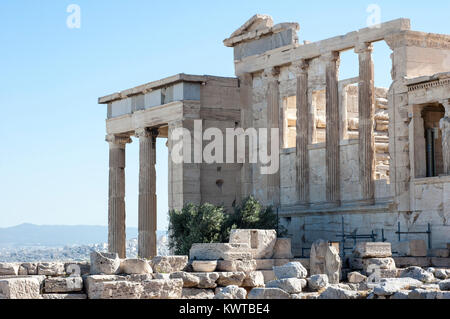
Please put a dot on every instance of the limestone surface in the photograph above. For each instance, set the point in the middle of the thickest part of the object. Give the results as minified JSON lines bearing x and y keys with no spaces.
{"x":373,"y":250}
{"x":261,"y":242}
{"x":162,"y":289}
{"x":169,"y":264}
{"x":268,"y":293}
{"x":231,"y":278}
{"x":254,"y":279}
{"x":290,"y":285}
{"x":290,"y":270}
{"x":318,"y":282}
{"x":135,"y":266}
{"x":231,"y":292}
{"x":19,"y":288}
{"x":204,"y":265}
{"x":195,"y":293}
{"x":63,"y":284}
{"x":51,"y":269}
{"x":9,"y":269}
{"x":104,"y":263}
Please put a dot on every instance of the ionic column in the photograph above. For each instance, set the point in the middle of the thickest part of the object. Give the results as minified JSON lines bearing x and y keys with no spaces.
{"x":366,"y":102}
{"x":445,"y":129}
{"x":246,"y":101}
{"x":273,"y":121}
{"x":147,"y":193}
{"x":116,"y":196}
{"x":332,"y":129}
{"x":302,"y":138}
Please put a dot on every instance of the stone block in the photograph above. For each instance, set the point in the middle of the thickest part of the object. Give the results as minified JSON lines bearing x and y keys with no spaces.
{"x":402,"y":262}
{"x":207,"y":280}
{"x":63,"y":284}
{"x":268,"y":293}
{"x":282,"y":248}
{"x":253,"y":279}
{"x":115,"y":290}
{"x":260,"y":242}
{"x":445,"y":285}
{"x":418,"y":274}
{"x":19,"y":288}
{"x":169,"y":264}
{"x":281,"y":262}
{"x":195,"y":293}
{"x":91,"y":281}
{"x":159,"y":275}
{"x":9,"y":269}
{"x":218,"y":251}
{"x":104,"y":263}
{"x":373,"y":250}
{"x":139,"y":277}
{"x":290,"y":285}
{"x":231,"y":278}
{"x":64,"y":296}
{"x":439,"y":252}
{"x":135,"y":266}
{"x":336,"y":292}
{"x":318,"y":282}
{"x":418,"y":248}
{"x":204,"y":265}
{"x":264,"y":264}
{"x":231,"y":292}
{"x":162,"y":289}
{"x":32,"y":268}
{"x":237,"y":265}
{"x":189,"y":280}
{"x":440,"y":262}
{"x":51,"y":269}
{"x":355,"y":277}
{"x":290,"y":270}
{"x":79,"y":268}
{"x":370,"y":264}
{"x":268,"y":275}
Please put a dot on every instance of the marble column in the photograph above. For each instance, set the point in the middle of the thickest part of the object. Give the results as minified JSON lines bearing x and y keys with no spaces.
{"x":302,"y":138}
{"x":366,"y":102}
{"x":246,"y":99}
{"x":445,"y":129}
{"x":116,"y":196}
{"x":332,"y":130}
{"x":147,"y":193}
{"x":273,"y":121}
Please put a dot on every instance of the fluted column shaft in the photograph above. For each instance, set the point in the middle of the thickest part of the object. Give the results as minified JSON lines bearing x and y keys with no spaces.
{"x":273,"y":121}
{"x":246,"y":101}
{"x":366,"y":101}
{"x":302,"y":138}
{"x":332,"y":129}
{"x":147,"y":193}
{"x":116,"y":196}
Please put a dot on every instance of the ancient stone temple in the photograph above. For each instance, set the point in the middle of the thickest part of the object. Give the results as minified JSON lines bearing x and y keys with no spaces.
{"x":354,"y":158}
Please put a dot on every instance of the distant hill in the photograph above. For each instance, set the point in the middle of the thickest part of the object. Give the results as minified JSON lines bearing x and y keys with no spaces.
{"x":58,"y":235}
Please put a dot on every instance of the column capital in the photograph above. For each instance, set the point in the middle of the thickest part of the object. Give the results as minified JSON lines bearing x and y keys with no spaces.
{"x":301,"y":66}
{"x":364,"y":47}
{"x":272,"y":72}
{"x":118,"y":139}
{"x":332,"y":56}
{"x":146,"y":132}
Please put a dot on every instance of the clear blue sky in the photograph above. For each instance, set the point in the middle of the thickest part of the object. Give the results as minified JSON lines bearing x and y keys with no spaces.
{"x":54,"y":160}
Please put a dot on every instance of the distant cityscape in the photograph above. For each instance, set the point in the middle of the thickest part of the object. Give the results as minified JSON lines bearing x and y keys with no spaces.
{"x":32,"y":243}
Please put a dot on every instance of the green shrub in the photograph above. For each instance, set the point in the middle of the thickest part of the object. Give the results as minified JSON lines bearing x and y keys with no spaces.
{"x":195,"y":224}
{"x":208,"y":223}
